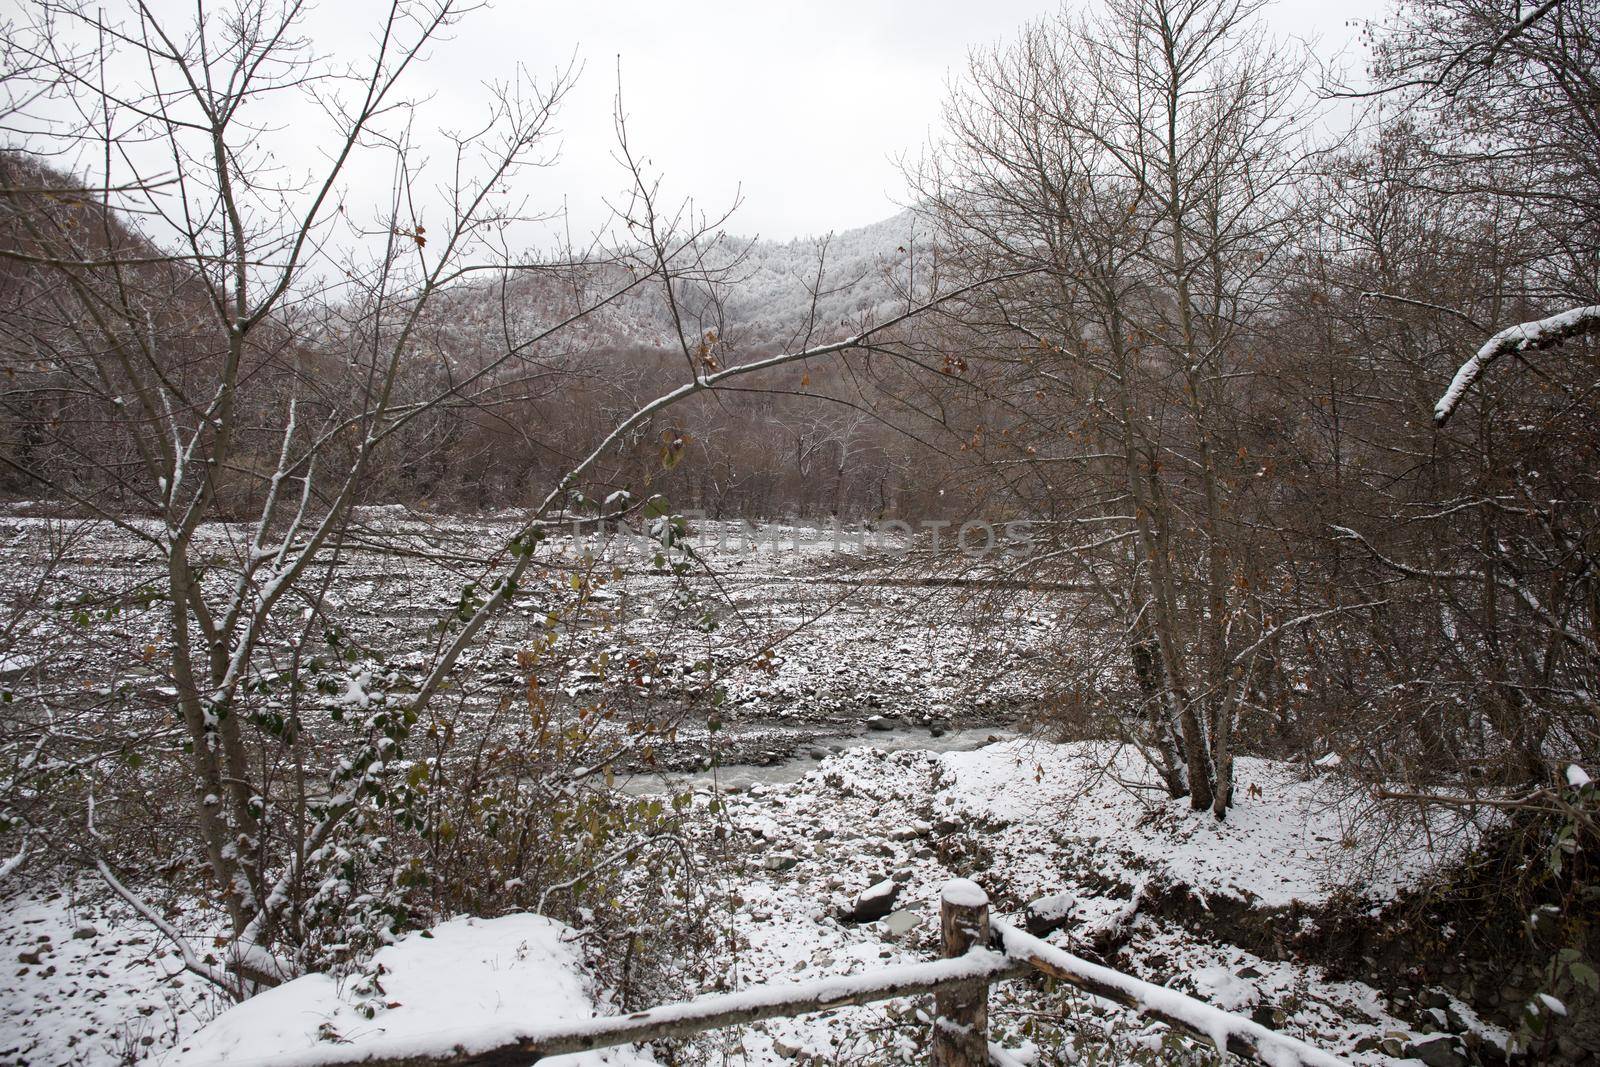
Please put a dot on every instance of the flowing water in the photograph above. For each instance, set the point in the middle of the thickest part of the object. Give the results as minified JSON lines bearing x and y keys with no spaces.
{"x":738,"y":776}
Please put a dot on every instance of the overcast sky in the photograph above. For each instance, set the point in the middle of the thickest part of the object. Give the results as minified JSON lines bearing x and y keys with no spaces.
{"x":801,"y":107}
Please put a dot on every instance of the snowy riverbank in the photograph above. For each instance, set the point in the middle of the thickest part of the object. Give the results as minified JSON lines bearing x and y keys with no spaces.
{"x":1027,"y":820}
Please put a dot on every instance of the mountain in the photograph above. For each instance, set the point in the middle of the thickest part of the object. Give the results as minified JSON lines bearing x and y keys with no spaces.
{"x":755,"y":293}
{"x":858,"y":276}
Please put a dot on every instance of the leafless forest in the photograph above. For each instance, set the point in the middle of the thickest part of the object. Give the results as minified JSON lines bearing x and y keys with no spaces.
{"x":1217,"y":427}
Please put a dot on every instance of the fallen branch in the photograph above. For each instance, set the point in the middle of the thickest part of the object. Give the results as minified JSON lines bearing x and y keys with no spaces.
{"x":228,"y":983}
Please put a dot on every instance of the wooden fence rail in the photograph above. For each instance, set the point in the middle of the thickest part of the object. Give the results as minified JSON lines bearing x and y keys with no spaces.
{"x":1239,"y":1035}
{"x":978,"y":951}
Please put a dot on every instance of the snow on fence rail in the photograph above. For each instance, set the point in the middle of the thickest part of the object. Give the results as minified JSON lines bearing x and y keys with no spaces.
{"x":977,"y":951}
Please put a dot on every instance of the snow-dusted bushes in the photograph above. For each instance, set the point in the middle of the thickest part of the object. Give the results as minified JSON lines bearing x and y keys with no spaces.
{"x":255,"y":352}
{"x":494,"y":822}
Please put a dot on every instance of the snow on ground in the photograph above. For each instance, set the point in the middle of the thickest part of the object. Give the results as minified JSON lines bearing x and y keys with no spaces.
{"x":1027,"y":819}
{"x":851,"y":644}
{"x":1023,"y":819}
{"x":1286,"y":839}
{"x":472,"y":983}
{"x":86,"y":981}
{"x":1285,"y":995}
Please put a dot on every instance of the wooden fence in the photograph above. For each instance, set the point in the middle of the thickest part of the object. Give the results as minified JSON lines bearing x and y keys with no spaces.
{"x":978,"y":950}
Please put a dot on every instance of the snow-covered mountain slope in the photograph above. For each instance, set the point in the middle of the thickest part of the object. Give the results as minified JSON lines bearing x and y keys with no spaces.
{"x":754,"y":293}
{"x":834,"y":284}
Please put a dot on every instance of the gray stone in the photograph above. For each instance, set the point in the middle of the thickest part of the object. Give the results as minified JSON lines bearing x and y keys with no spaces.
{"x":1434,"y":998}
{"x":899,"y":923}
{"x":1048,"y":914}
{"x":873,"y":903}
{"x":1440,"y":1051}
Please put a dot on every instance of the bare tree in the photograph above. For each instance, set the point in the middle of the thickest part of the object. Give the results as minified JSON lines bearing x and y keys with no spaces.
{"x":1140,"y":163}
{"x":235,"y":358}
{"x":1514,"y":101}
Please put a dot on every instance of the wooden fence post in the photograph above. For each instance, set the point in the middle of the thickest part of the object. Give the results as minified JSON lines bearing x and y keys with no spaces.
{"x":961,"y":1013}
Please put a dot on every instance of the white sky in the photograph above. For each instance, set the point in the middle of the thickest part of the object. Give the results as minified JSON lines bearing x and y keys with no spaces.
{"x":799,"y":106}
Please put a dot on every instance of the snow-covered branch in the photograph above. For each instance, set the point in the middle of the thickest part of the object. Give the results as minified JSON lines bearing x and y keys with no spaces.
{"x":1523,"y":337}
{"x":1579,"y":640}
{"x":505,"y":587}
{"x":191,"y":962}
{"x":1299,"y":620}
{"x":15,"y":860}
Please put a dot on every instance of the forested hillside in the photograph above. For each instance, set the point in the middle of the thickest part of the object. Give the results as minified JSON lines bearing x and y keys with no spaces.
{"x":1155,"y":569}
